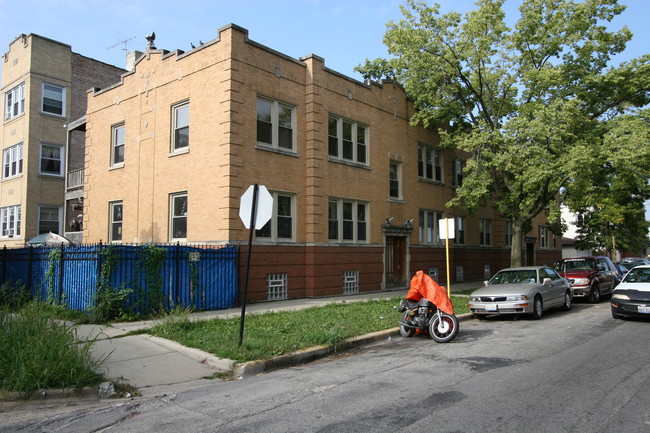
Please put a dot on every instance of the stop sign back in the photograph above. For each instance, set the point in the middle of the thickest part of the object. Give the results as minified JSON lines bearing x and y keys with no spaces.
{"x":263,"y":210}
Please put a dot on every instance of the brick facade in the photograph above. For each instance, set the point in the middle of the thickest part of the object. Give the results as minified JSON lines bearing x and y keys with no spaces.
{"x":222,"y":82}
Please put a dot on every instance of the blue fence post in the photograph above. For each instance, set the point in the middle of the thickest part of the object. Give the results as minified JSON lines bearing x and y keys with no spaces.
{"x":29,"y":268}
{"x":4,"y":263}
{"x":61,"y":267}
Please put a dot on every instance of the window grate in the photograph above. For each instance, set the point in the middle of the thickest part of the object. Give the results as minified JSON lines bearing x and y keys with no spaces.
{"x":276,"y":285}
{"x":433,"y":273}
{"x":350,"y":282}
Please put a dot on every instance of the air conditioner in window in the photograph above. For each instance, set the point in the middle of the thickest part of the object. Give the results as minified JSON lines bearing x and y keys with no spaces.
{"x":9,"y":233}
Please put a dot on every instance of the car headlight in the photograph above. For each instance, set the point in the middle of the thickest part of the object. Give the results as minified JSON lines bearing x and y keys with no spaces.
{"x":620,"y":296}
{"x":581,"y":282}
{"x":517,"y":298}
{"x":474,"y":298}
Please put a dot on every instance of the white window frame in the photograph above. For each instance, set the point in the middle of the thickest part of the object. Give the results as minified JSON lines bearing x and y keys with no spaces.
{"x":173,"y":217}
{"x":10,"y":217}
{"x":508,"y":234}
{"x":114,"y":223}
{"x":274,"y":121}
{"x":15,"y":101}
{"x":485,"y":232}
{"x":271,"y":231}
{"x":336,"y":139}
{"x":395,"y":177}
{"x":544,"y":237}
{"x":61,"y":160}
{"x":428,"y":232}
{"x":53,"y":87}
{"x":435,"y":158}
{"x":176,"y":126}
{"x":12,"y":161}
{"x":59,"y":216}
{"x":358,"y":219}
{"x":115,"y":144}
{"x":457,"y":172}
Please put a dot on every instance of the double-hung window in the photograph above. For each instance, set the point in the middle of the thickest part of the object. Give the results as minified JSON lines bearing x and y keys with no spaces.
{"x":281,"y":225}
{"x":485,"y":232}
{"x":544,"y":237}
{"x":181,"y":129}
{"x":178,"y":217}
{"x":12,"y":161}
{"x":275,"y":125}
{"x":118,"y":137}
{"x":459,"y":227}
{"x":53,"y":100}
{"x":347,"y":140}
{"x":51,"y":159}
{"x":49,"y":219}
{"x":508,"y":234}
{"x":116,"y":218}
{"x":395,"y":180}
{"x":429,"y":163}
{"x":457,"y":172}
{"x":10,"y":217}
{"x":15,"y":102}
{"x":348,"y":221}
{"x":428,"y":228}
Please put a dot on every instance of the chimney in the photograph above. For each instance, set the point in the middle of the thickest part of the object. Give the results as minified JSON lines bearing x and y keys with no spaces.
{"x":131,"y":58}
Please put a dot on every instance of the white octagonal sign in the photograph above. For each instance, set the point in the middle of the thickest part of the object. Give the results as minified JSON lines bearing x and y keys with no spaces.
{"x":264,"y":208}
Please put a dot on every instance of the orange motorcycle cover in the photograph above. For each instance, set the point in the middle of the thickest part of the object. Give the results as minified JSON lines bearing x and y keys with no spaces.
{"x":423,"y":286}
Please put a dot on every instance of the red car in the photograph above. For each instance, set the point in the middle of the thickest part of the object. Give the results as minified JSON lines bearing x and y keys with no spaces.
{"x":590,"y":277}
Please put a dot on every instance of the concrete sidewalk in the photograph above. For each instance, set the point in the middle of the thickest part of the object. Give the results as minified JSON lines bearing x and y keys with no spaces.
{"x":156,"y":366}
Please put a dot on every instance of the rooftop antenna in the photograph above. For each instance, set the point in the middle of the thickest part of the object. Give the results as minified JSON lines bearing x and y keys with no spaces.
{"x":125,"y":42}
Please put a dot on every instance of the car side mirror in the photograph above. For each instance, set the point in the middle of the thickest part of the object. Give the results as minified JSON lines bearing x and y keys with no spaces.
{"x":547,"y":281}
{"x":485,"y":283}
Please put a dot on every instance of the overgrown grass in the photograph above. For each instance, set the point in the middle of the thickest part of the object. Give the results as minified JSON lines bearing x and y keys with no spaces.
{"x":37,"y":352}
{"x":271,"y":334}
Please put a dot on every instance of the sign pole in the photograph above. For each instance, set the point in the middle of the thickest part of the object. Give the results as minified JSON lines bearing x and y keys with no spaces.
{"x":447,"y":255}
{"x":248,"y":263}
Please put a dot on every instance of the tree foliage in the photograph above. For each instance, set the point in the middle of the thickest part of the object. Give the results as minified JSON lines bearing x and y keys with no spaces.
{"x":531,"y":105}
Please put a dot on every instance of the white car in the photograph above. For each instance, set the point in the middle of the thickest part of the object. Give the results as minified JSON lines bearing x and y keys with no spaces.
{"x":631,"y":298}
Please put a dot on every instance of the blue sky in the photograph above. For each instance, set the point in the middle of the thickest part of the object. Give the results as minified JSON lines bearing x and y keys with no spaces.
{"x":343,"y":32}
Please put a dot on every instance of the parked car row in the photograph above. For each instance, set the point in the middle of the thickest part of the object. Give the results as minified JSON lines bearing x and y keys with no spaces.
{"x":534,"y":289}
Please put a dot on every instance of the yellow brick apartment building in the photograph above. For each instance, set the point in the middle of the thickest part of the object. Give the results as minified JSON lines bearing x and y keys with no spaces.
{"x":357,"y":192}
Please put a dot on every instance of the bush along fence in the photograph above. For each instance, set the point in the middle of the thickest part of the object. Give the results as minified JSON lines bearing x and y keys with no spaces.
{"x":142,"y":279}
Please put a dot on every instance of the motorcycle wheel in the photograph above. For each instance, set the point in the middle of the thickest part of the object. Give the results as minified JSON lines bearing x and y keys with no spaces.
{"x":443,"y":329}
{"x":406,"y":331}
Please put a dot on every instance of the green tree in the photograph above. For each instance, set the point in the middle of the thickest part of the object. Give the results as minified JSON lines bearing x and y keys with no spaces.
{"x":612,"y":201}
{"x":530,"y":105}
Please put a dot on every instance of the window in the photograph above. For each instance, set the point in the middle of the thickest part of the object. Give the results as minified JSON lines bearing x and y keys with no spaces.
{"x":428,"y":229}
{"x":347,"y":140}
{"x":15,"y":102}
{"x":275,"y":124}
{"x":117,"y":145}
{"x":12,"y":161}
{"x":53,"y":100}
{"x":459,"y":227}
{"x":395,"y":190}
{"x":348,"y":221}
{"x":280,"y":226}
{"x":457,"y":172}
{"x":508,"y":234}
{"x":116,"y":219}
{"x":429,"y":163}
{"x":181,"y":133}
{"x":276,"y":286}
{"x":51,"y":159}
{"x":544,"y":236}
{"x":49,"y":219}
{"x":10,"y":217}
{"x":485,"y":232}
{"x":178,"y":217}
{"x":350,"y":282}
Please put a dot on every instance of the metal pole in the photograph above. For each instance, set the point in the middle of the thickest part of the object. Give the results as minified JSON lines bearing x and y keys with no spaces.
{"x":447,"y":254}
{"x":248,"y":263}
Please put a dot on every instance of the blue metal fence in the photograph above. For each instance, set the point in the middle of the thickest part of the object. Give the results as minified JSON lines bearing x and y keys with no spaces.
{"x":187,"y":276}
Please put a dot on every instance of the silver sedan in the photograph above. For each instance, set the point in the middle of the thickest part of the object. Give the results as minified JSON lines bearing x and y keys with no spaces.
{"x":527,"y":290}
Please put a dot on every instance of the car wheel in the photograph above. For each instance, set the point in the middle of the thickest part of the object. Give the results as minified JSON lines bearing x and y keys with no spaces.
{"x":594,"y":295}
{"x":567,"y":301}
{"x":538,"y":310}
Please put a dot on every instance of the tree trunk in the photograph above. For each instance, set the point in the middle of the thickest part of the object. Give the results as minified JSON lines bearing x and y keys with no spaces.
{"x":517,"y":242}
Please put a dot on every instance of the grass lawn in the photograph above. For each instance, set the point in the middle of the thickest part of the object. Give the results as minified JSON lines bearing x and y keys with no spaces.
{"x":271,"y":334}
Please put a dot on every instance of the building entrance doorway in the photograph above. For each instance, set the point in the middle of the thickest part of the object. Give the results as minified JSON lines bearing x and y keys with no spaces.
{"x":396,"y":269}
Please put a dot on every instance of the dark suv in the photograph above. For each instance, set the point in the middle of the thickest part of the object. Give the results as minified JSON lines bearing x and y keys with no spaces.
{"x":589,"y":277}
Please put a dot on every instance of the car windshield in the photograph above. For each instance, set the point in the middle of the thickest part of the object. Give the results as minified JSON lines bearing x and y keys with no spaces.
{"x":638,"y":275}
{"x":512,"y":277}
{"x":575,"y":265}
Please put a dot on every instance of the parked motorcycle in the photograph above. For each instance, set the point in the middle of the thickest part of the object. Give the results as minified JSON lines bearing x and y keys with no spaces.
{"x":427,"y":308}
